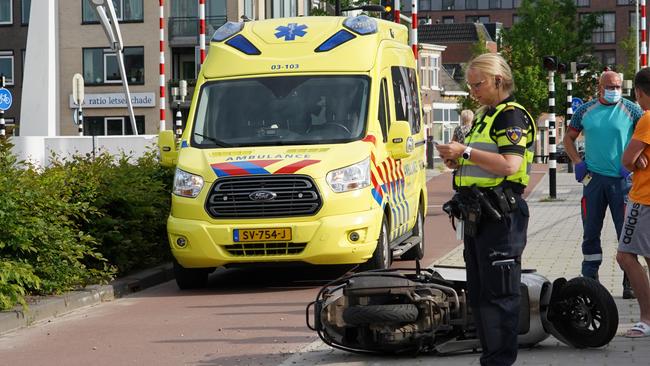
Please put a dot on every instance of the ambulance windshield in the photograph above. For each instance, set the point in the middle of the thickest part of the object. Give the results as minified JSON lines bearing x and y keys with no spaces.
{"x":285,"y":110}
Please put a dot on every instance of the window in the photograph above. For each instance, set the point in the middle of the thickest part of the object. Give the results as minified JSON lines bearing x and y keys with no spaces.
{"x":101,"y":67}
{"x":517,"y":3}
{"x":516,"y":19}
{"x":125,"y":10}
{"x":606,"y":33}
{"x":435,"y":71}
{"x":477,"y":19}
{"x":583,"y":3}
{"x":116,"y":125}
{"x":447,"y":4}
{"x":495,"y":4}
{"x":25,"y":5}
{"x":506,"y":4}
{"x":407,"y":100}
{"x":445,"y":119}
{"x":633,"y":23}
{"x":471,"y":4}
{"x":383,"y":113}
{"x":424,"y":5}
{"x":606,"y":58}
{"x":6,"y":12}
{"x":625,"y":2}
{"x":7,"y":66}
{"x":248,"y":9}
{"x":284,"y":8}
{"x":448,"y":20}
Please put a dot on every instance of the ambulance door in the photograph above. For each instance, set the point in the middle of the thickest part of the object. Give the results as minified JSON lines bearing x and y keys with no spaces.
{"x":406,"y":102}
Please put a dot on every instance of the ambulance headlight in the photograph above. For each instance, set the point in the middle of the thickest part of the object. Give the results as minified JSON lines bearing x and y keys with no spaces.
{"x":227,"y":30}
{"x":361,"y":24}
{"x":351,"y":177}
{"x":187,"y":184}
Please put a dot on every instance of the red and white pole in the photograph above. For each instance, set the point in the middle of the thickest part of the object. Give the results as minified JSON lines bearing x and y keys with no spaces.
{"x":414,"y":27}
{"x":162,"y":64}
{"x":202,"y":30}
{"x":644,"y":42}
{"x":396,"y":13}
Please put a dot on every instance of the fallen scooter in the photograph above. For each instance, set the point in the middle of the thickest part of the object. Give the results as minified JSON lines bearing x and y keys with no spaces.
{"x":426,"y":311}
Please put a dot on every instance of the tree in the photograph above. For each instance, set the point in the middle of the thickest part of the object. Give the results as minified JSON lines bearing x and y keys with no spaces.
{"x":547,"y":27}
{"x":477,"y":48}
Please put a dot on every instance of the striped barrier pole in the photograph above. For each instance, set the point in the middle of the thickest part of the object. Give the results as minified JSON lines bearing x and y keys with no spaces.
{"x":161,"y":3}
{"x":202,"y":30}
{"x":396,"y":13}
{"x":414,"y":28}
{"x":552,"y":164}
{"x":644,"y":42}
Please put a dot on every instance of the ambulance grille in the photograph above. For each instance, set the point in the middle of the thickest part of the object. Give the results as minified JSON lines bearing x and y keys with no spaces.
{"x":293,"y":195}
{"x":265,"y":249}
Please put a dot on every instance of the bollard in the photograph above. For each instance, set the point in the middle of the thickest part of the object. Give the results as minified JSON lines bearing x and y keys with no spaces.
{"x":430,"y":152}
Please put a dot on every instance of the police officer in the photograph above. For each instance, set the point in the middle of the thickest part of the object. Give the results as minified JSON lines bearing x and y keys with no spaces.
{"x":494,"y":162}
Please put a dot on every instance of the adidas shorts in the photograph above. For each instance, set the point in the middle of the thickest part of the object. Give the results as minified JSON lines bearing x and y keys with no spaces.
{"x":635,"y":236}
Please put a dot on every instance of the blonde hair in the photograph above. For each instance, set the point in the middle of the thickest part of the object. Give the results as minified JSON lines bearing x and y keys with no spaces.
{"x":466,"y":116}
{"x":492,"y":64}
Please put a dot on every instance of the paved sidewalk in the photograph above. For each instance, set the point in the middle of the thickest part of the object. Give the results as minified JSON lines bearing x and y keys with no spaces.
{"x":554,"y":238}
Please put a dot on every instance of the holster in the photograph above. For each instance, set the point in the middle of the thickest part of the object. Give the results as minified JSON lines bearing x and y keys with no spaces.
{"x":467,"y":208}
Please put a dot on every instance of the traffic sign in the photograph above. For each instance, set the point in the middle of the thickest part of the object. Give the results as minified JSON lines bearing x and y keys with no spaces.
{"x":575,"y":103}
{"x":78,"y":89}
{"x":5,"y":99}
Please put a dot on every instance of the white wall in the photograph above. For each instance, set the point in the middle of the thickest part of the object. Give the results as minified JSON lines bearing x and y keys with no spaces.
{"x":38,"y":149}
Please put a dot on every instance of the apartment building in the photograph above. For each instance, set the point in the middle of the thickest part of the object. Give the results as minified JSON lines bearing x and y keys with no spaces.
{"x":83,"y":48}
{"x":618,"y":18}
{"x":14,"y":19}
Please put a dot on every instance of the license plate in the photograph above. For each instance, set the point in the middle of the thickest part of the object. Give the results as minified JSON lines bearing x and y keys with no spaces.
{"x":249,"y":235}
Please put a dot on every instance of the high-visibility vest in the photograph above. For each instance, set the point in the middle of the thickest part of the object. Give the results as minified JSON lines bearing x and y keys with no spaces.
{"x":481,"y":138}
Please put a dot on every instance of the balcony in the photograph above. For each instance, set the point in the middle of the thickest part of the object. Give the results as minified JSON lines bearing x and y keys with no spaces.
{"x":184,"y":31}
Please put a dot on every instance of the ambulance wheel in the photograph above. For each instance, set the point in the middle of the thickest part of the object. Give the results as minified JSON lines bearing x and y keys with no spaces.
{"x":380,"y":314}
{"x":417,"y":252}
{"x":382,"y":256}
{"x":585,"y":313}
{"x":191,"y":278}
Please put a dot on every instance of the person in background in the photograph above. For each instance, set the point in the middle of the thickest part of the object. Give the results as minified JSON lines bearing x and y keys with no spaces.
{"x":635,"y":238}
{"x":466,"y":118}
{"x":607,"y":124}
{"x":493,"y":162}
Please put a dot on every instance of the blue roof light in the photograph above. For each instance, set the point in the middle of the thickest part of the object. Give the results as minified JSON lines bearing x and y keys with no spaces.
{"x":241,"y":43}
{"x":227,"y":30}
{"x":361,"y":24}
{"x":336,"y":40}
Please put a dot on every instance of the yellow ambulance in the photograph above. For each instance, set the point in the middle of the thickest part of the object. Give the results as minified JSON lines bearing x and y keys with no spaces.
{"x":304,"y":144}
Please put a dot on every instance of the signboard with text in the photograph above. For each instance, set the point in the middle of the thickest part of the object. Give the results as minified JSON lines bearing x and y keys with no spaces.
{"x":116,"y":100}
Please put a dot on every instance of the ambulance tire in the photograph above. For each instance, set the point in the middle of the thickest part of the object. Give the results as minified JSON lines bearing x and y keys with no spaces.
{"x":416,"y":252}
{"x":191,"y":278}
{"x":382,"y":256}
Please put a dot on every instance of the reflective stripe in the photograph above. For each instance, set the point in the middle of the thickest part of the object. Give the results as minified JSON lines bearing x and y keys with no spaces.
{"x":475,"y":171}
{"x":485,"y":146}
{"x":593,"y":257}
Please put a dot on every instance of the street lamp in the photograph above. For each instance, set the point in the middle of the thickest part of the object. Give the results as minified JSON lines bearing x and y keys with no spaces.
{"x":107,"y":17}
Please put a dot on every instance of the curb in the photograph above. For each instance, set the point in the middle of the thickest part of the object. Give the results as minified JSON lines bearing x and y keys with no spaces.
{"x":54,"y":306}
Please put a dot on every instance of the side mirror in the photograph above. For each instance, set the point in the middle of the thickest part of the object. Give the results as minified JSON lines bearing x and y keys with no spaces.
{"x":400,"y":142}
{"x":167,"y":148}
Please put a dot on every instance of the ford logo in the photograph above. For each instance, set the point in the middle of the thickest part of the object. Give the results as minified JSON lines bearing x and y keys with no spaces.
{"x":262,"y":195}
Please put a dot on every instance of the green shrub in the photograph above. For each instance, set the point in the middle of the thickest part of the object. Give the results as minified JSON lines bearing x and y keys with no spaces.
{"x":79,"y":221}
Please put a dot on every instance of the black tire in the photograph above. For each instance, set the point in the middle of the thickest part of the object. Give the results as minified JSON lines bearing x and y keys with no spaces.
{"x":417,"y":252}
{"x":382,"y":257}
{"x":380,"y":314}
{"x":191,"y":278}
{"x":585,"y":313}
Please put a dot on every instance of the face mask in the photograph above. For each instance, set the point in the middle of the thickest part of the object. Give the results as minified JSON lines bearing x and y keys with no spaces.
{"x":612,"y":96}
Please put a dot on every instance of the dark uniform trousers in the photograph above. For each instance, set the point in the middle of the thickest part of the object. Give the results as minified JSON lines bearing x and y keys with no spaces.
{"x":493,"y":260}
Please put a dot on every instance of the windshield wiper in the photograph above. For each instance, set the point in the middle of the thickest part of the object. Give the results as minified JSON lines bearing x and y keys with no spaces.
{"x":216,"y":142}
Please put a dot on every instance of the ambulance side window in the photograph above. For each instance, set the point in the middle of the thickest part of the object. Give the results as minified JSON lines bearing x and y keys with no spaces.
{"x":383,"y":110}
{"x":406,"y":95}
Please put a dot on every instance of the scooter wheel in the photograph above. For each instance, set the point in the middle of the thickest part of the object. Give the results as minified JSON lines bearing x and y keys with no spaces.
{"x":585,"y":313}
{"x":380,"y":314}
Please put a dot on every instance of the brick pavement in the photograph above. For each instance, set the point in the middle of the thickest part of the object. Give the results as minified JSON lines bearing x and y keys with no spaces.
{"x":554,"y":237}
